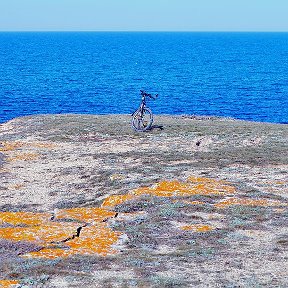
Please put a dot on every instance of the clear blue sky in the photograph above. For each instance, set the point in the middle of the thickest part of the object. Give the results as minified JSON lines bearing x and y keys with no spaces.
{"x":144,"y":15}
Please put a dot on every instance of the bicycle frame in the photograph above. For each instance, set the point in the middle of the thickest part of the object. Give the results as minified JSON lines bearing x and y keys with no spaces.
{"x":141,"y":107}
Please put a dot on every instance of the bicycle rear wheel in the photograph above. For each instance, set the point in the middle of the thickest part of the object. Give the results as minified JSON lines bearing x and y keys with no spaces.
{"x":142,"y":121}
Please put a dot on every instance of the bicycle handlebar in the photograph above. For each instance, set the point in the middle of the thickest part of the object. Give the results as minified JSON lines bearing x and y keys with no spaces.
{"x":143,"y":93}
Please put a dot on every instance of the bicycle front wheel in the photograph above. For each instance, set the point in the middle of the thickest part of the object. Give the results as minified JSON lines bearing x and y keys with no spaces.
{"x":142,"y":120}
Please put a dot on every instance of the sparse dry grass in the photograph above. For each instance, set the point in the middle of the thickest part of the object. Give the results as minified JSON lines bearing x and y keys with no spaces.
{"x":84,"y":159}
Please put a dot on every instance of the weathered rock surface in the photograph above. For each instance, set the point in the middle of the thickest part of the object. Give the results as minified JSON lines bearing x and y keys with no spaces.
{"x":201,"y":203}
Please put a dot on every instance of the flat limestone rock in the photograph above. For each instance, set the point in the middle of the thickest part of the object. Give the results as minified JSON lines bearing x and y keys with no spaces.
{"x":146,"y":182}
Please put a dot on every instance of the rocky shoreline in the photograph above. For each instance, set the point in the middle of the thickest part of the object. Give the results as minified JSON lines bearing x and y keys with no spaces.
{"x":201,"y":203}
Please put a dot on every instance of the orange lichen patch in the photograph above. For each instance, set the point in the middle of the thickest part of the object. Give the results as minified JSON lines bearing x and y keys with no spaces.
{"x":248,"y":202}
{"x":42,"y":234}
{"x":45,"y":145}
{"x":281,"y":183}
{"x":85,"y":214}
{"x":16,"y":186}
{"x":48,"y":253}
{"x":197,"y":228}
{"x":24,"y":218}
{"x":195,"y":179}
{"x":6,"y":146}
{"x":164,"y":189}
{"x":10,"y":146}
{"x":24,"y":157}
{"x":211,"y":186}
{"x":39,"y":229}
{"x":277,"y":182}
{"x":194,"y":185}
{"x":114,"y":200}
{"x":171,"y":188}
{"x":95,"y":239}
{"x":8,"y":283}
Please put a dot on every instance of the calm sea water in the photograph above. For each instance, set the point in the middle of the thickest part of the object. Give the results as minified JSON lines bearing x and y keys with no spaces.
{"x":240,"y":75}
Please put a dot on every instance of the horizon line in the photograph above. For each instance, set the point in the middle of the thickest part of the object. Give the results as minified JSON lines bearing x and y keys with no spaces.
{"x":151,"y":31}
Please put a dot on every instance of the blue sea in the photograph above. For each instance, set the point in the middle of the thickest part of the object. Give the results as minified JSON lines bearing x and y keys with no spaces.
{"x":239,"y":75}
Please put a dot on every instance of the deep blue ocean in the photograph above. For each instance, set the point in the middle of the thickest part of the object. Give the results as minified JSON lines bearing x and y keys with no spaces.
{"x":239,"y":75}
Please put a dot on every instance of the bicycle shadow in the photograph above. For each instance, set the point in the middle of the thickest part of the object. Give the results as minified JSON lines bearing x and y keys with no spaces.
{"x":160,"y":127}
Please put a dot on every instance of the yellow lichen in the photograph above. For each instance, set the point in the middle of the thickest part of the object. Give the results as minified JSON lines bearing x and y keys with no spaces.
{"x":48,"y":253}
{"x":43,"y":234}
{"x":8,"y":283}
{"x":211,"y":186}
{"x":85,"y":214}
{"x":195,"y":179}
{"x":193,"y":186}
{"x":24,"y":218}
{"x":10,"y":146}
{"x":197,"y":228}
{"x":45,"y":145}
{"x":6,"y":146}
{"x":23,"y":157}
{"x":96,"y":238}
{"x":16,"y":186}
{"x":94,"y":235}
{"x":248,"y":202}
{"x":114,"y":200}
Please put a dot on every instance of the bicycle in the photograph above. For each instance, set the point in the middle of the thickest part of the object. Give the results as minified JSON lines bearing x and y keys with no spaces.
{"x":142,"y":118}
